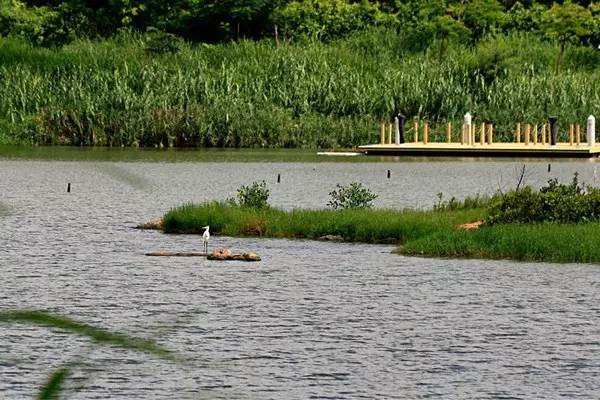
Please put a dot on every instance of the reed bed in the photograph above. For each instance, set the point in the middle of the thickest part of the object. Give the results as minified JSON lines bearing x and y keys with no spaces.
{"x":257,"y":94}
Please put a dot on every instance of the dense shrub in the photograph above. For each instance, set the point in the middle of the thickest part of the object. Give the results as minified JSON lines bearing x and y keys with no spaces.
{"x":552,"y":203}
{"x":351,"y":196}
{"x":255,"y":195}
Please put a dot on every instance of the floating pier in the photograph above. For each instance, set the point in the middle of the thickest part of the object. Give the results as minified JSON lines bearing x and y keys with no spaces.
{"x":477,"y":140}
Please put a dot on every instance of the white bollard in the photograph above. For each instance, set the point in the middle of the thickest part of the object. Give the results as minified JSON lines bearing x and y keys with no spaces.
{"x":591,"y":130}
{"x":467,"y":129}
{"x":397,"y":129}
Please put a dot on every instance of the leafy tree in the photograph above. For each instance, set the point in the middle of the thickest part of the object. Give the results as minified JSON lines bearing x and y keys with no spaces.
{"x":483,"y":16}
{"x":329,"y":19}
{"x":566,"y":23}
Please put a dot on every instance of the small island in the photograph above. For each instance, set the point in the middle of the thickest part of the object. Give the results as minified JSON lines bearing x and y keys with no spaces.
{"x":557,"y":223}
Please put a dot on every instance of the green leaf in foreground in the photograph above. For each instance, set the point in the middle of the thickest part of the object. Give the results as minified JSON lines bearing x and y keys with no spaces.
{"x":51,"y":390}
{"x":98,"y":335}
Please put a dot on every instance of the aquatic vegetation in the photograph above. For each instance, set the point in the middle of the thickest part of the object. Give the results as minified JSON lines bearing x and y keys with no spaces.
{"x":303,"y":95}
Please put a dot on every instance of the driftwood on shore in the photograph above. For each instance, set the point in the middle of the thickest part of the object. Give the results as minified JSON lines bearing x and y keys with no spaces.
{"x":218,"y":255}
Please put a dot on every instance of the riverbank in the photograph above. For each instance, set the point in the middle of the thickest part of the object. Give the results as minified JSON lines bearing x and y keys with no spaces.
{"x":418,"y":233}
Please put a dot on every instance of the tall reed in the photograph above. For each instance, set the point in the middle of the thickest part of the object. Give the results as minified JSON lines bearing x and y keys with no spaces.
{"x":257,"y":94}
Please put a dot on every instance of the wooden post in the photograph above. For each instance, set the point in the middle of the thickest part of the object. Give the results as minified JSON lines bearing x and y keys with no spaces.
{"x":416,"y":132}
{"x":482,"y":134}
{"x":544,"y":134}
{"x":578,"y":132}
{"x":527,"y":134}
{"x":518,"y":133}
{"x":535,"y":134}
{"x":449,"y":132}
{"x":69,"y":187}
{"x":489,"y":133}
{"x":382,"y":132}
{"x":473,"y":131}
{"x":571,"y":134}
{"x":426,"y":133}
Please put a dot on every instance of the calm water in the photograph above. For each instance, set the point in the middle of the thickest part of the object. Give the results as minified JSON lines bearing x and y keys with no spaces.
{"x":312,"y":320}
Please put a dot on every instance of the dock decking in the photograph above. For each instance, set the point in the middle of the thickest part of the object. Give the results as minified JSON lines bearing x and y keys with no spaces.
{"x":482,"y":150}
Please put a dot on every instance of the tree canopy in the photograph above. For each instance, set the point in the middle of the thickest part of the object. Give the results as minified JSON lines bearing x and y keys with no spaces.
{"x":54,"y":22}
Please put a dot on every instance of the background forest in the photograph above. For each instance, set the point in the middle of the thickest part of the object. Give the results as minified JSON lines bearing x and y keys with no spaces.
{"x":278,"y":73}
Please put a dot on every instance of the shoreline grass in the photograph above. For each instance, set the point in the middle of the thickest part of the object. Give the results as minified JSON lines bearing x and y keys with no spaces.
{"x":418,"y":233}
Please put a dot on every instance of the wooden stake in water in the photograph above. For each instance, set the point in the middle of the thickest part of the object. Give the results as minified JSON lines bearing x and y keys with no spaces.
{"x":278,"y":178}
{"x":571,"y":134}
{"x":527,"y":134}
{"x":535,"y":134}
{"x":382,"y":132}
{"x":426,"y":133}
{"x":518,"y":133}
{"x":389,"y":175}
{"x":416,"y":134}
{"x":449,"y":133}
{"x":69,"y":187}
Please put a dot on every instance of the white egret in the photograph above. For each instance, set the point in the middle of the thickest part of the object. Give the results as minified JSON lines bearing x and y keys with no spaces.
{"x":205,"y":238}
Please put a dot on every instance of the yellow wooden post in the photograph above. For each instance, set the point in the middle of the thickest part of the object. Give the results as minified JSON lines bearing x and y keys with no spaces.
{"x":416,"y":135}
{"x":578,"y":134}
{"x":491,"y":133}
{"x":571,"y":134}
{"x":535,"y":134}
{"x":390,"y":128}
{"x":544,"y":134}
{"x":382,"y":132}
{"x":449,"y":132}
{"x":527,"y":134}
{"x":426,"y":133}
{"x":518,"y":135}
{"x":473,"y":131}
{"x":482,"y":134}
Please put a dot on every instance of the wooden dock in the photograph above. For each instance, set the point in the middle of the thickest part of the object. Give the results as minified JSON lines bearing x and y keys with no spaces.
{"x":482,"y":150}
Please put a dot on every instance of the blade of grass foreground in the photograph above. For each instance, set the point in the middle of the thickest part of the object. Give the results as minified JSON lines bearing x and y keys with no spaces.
{"x":51,"y":390}
{"x":97,"y":335}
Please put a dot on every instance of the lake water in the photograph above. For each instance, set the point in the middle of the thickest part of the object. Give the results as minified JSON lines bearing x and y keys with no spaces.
{"x":312,"y":320}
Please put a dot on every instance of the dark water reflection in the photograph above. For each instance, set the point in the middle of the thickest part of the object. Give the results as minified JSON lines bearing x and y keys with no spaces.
{"x":313,"y":320}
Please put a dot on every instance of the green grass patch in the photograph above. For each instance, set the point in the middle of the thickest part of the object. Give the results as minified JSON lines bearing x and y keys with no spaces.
{"x":555,"y":242}
{"x":421,"y":233}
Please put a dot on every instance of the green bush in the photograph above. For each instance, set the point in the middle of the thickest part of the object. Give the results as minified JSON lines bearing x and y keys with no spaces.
{"x":552,"y":203}
{"x":350,"y":196}
{"x":255,"y":195}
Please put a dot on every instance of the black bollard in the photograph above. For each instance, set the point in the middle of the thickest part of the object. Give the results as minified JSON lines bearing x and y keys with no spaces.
{"x":69,"y":187}
{"x":549,"y":167}
{"x":389,"y":174}
{"x":553,"y":130}
{"x":402,"y":121}
{"x":278,"y":178}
